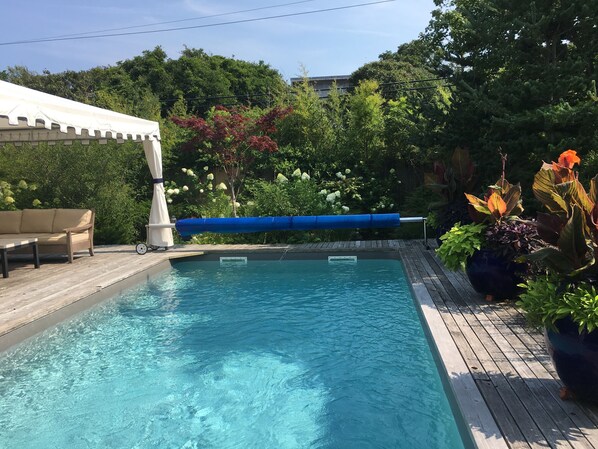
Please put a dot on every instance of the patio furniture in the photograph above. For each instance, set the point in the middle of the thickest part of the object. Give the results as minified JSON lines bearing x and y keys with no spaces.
{"x":10,"y":245}
{"x":58,"y":231}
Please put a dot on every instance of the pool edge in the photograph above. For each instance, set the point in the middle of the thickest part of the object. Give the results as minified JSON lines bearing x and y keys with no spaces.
{"x":479,"y":423}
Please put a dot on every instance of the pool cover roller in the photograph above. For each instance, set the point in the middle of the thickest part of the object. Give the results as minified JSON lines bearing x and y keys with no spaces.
{"x":190,"y":226}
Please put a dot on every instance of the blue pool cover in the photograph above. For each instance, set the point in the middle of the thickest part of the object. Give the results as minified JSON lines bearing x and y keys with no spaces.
{"x":190,"y":226}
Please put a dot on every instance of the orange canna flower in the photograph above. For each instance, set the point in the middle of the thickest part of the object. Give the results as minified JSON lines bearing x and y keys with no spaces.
{"x":569,"y":158}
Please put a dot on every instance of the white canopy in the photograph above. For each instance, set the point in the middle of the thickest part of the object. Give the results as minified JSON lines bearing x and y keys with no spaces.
{"x":30,"y":116}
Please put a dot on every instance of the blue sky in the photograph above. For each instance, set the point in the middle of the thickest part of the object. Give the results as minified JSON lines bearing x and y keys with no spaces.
{"x":327,"y":43}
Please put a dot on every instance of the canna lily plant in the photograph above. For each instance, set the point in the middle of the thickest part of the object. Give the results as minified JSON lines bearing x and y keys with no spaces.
{"x":565,"y":300}
{"x":570,"y":226}
{"x":502,"y":200}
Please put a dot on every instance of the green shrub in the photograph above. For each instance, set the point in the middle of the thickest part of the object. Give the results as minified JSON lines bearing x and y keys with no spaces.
{"x":112,"y":179}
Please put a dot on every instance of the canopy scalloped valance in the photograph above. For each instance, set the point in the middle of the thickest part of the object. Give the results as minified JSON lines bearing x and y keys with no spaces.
{"x":27,"y":115}
{"x":30,"y":116}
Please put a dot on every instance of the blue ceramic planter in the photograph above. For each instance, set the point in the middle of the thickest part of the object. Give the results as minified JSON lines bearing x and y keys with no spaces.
{"x":575,"y":358}
{"x":493,"y":275}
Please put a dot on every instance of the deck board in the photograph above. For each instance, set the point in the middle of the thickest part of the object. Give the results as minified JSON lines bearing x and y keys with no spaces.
{"x":506,"y":360}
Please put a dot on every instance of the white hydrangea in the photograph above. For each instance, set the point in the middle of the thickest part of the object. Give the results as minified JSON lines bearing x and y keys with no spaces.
{"x":305,"y":177}
{"x":210,"y":186}
{"x":331,"y":197}
{"x":345,"y":209}
{"x":339,"y":175}
{"x":323,"y":192}
{"x":184,"y":170}
{"x":221,"y":186}
{"x":185,"y":189}
{"x":337,"y":194}
{"x":201,"y":190}
{"x":392,"y":170}
{"x":210,"y":177}
{"x":206,"y":168}
{"x":281,"y":178}
{"x":190,"y":172}
{"x":169,"y":200}
{"x":297,"y":173}
{"x":170,"y":191}
{"x":237,"y":204}
{"x":176,"y":191}
{"x":347,"y":171}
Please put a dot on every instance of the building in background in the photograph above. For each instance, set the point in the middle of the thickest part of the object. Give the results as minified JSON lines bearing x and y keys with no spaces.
{"x":323,"y":84}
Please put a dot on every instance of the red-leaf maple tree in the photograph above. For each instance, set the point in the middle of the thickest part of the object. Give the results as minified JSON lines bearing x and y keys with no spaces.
{"x":235,"y":136}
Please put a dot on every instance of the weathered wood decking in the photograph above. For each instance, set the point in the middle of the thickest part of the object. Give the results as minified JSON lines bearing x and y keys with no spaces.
{"x":508,"y":362}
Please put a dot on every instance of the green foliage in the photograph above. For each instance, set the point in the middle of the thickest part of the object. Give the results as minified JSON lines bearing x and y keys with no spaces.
{"x":308,"y":127}
{"x":544,"y":303}
{"x":112,"y":179}
{"x":524,"y":78}
{"x":366,"y":120}
{"x":286,"y":197}
{"x":18,"y":195}
{"x":541,"y":301}
{"x":197,"y":193}
{"x":459,"y":244}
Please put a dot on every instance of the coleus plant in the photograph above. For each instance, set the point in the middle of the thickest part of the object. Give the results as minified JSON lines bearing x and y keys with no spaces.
{"x":571,"y":224}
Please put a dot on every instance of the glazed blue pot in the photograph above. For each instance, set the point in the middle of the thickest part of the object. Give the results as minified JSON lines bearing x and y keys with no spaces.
{"x":493,"y":275}
{"x":575,"y":358}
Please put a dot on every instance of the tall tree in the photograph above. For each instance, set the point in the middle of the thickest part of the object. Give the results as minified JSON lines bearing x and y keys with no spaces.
{"x":525,"y":73}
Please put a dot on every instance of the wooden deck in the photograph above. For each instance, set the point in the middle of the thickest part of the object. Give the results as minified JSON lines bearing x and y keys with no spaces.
{"x":506,"y":361}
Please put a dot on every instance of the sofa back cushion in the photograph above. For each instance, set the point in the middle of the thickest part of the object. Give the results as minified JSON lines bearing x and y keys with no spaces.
{"x":10,"y":222}
{"x":70,"y":218}
{"x":37,"y":220}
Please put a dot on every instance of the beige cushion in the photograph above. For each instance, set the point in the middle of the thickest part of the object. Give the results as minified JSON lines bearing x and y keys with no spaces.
{"x":10,"y":222}
{"x":59,"y":238}
{"x":37,"y":220}
{"x":70,"y":218}
{"x":17,"y":236}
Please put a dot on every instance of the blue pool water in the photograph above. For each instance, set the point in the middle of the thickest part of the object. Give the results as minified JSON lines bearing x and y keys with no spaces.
{"x":294,"y":354}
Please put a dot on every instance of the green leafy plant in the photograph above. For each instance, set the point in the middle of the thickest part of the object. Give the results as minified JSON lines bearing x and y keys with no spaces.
{"x":545,"y":303}
{"x":460,"y":243}
{"x":540,"y":300}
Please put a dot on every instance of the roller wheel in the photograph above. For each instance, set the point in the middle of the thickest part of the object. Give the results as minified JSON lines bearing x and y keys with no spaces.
{"x":141,"y":248}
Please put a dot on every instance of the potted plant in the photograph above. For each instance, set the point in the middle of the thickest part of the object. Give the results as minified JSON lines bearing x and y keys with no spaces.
{"x":496,"y":239}
{"x":565,"y":301}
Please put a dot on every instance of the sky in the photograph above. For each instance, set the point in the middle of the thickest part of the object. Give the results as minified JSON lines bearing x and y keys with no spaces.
{"x":335,"y":42}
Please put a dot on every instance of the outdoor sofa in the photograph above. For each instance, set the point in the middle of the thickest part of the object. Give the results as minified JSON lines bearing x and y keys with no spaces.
{"x":58,"y":231}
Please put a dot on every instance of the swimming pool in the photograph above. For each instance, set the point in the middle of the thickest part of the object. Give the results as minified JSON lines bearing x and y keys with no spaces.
{"x":294,"y":354}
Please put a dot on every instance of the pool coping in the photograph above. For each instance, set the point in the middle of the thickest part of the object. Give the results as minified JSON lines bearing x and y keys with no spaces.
{"x":471,"y":411}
